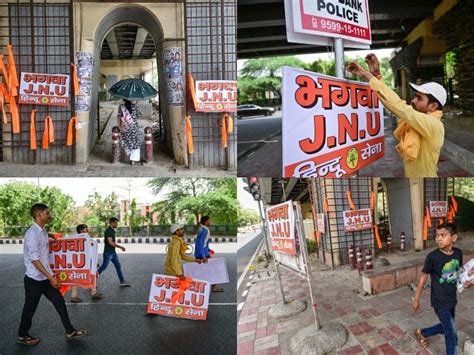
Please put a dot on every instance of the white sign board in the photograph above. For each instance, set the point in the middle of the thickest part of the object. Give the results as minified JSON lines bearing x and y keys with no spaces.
{"x":357,"y":220}
{"x":317,"y":22}
{"x":321,"y":222}
{"x":331,"y":127}
{"x":438,"y":209}
{"x":281,"y":225}
{"x":214,"y":271}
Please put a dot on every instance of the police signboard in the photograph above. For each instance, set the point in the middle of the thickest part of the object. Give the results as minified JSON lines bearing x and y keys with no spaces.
{"x":318,"y":21}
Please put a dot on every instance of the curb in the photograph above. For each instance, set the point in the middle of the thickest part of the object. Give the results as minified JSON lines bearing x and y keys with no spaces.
{"x":460,"y":156}
{"x":135,"y":240}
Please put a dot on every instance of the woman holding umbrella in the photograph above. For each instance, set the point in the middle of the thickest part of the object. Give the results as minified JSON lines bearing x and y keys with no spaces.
{"x":129,"y":114}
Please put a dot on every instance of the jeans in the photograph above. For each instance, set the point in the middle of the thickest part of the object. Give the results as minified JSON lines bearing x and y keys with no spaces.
{"x":108,"y":257}
{"x":446,"y":327}
{"x":33,"y":292}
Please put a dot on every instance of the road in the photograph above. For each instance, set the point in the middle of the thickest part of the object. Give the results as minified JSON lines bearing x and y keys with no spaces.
{"x":118,"y":323}
{"x":255,"y":131}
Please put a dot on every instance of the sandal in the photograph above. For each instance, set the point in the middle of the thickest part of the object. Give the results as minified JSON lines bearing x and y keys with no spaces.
{"x":28,"y":340}
{"x":96,"y":296}
{"x":421,"y":339}
{"x":76,"y":334}
{"x":76,"y":299}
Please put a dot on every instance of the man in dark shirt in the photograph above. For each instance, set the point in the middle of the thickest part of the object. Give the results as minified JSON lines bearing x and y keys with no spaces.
{"x":442,"y":265}
{"x":109,"y":251}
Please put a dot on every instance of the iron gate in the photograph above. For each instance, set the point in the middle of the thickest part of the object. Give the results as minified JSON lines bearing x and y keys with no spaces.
{"x":211,"y":55}
{"x":41,"y":35}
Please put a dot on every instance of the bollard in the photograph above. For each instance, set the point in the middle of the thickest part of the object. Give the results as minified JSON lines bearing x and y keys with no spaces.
{"x":148,"y":145}
{"x":360,"y":262}
{"x":389,"y":243}
{"x":368,"y":260}
{"x":115,"y":144}
{"x":402,"y":241}
{"x":351,"y":257}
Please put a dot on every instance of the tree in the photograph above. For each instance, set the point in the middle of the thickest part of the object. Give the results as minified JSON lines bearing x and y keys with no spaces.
{"x":216,"y":197}
{"x":247,"y":217}
{"x":17,"y":198}
{"x":103,"y":207}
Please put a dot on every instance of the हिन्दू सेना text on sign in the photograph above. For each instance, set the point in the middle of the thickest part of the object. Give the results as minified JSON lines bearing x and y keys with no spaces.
{"x":331,"y":127}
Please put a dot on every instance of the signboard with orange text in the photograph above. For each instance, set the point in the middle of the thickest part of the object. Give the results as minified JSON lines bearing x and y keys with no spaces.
{"x":281,"y":224}
{"x":216,"y":96}
{"x":44,"y":89}
{"x":357,"y":220}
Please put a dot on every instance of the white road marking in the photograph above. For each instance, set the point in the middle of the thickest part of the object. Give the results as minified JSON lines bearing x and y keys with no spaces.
{"x":135,"y":304}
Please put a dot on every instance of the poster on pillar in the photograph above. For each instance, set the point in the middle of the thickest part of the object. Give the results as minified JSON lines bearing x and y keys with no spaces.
{"x":70,"y":259}
{"x":216,"y":96}
{"x":85,"y":66}
{"x":44,"y":89}
{"x":168,"y":299}
{"x":320,"y":222}
{"x":281,"y":224}
{"x":357,"y":220}
{"x":331,"y":127}
{"x":317,"y":22}
{"x":174,"y":75}
{"x":438,"y":209}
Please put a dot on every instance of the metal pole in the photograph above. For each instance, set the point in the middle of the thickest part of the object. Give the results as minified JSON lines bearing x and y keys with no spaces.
{"x":339,"y":56}
{"x":304,"y":252}
{"x":275,"y":264}
{"x":267,"y":248}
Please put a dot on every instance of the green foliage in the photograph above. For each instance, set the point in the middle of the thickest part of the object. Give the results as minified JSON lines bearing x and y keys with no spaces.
{"x":464,"y":187}
{"x":16,"y":199}
{"x":450,"y":64}
{"x":311,"y":244}
{"x":102,"y":207}
{"x":135,"y":220}
{"x":191,"y":198}
{"x":247,"y":217}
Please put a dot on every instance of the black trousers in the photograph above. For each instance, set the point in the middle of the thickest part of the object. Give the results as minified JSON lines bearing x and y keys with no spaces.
{"x":33,"y":292}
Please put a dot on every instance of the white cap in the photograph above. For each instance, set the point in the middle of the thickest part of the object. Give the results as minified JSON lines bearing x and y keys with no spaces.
{"x":175,"y":227}
{"x":434,"y":89}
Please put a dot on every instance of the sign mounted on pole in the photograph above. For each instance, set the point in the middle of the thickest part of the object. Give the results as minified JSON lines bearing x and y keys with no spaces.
{"x":281,"y":223}
{"x":331,"y":127}
{"x":438,"y":209}
{"x":317,"y":22}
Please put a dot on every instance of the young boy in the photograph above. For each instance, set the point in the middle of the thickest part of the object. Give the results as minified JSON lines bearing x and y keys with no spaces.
{"x":441,"y":264}
{"x":177,"y":252}
{"x":95,"y":295}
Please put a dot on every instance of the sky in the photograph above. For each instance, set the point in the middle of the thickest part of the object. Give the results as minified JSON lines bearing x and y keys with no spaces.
{"x":80,"y":188}
{"x":245,"y":199}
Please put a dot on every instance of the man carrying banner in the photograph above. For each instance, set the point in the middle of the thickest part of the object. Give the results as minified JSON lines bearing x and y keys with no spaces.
{"x":177,"y":252}
{"x":420,"y":130}
{"x":39,"y":279}
{"x":95,"y":295}
{"x":201,"y":247}
{"x":109,"y":251}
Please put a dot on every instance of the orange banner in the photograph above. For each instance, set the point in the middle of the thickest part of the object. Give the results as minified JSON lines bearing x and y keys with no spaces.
{"x":224,"y":132}
{"x":191,"y":90}
{"x":189,"y":135}
{"x":48,"y":134}
{"x":12,"y":66}
{"x":75,"y":80}
{"x":70,"y":136}
{"x":33,"y":145}
{"x":15,"y":115}
{"x":377,"y":237}
{"x":349,"y":199}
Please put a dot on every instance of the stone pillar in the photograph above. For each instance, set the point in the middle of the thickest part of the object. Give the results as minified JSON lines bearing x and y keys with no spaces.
{"x":416,"y":197}
{"x":176,"y":110}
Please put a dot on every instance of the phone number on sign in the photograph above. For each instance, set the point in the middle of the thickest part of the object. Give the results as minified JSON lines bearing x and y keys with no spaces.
{"x":335,"y":26}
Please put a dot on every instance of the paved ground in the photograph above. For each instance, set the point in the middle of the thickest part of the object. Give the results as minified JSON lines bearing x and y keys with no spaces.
{"x":266,"y":160}
{"x":117,"y":323}
{"x":381,"y":324}
{"x":99,"y":163}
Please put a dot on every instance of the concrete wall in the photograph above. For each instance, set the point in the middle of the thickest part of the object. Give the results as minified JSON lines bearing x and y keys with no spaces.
{"x":399,"y":209}
{"x":125,"y":68}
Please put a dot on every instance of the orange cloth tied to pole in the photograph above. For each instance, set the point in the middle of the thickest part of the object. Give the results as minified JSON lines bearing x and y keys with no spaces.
{"x":33,"y":145}
{"x":191,"y":90}
{"x":2,"y":107}
{"x":349,"y":198}
{"x":428,"y":217}
{"x":48,"y":134}
{"x":12,"y":71}
{"x":425,"y":229}
{"x":440,"y":221}
{"x":15,"y":115}
{"x":224,"y":132}
{"x":326,"y":205}
{"x":454,"y":204}
{"x":372,"y":200}
{"x":5,"y":73}
{"x":75,"y":81}
{"x":183,"y":286}
{"x":70,"y":136}
{"x":317,"y":235}
{"x":230,"y":123}
{"x":377,"y":237}
{"x":189,"y":135}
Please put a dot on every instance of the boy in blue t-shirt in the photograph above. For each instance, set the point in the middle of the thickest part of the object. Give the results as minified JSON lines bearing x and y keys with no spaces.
{"x":441,"y":265}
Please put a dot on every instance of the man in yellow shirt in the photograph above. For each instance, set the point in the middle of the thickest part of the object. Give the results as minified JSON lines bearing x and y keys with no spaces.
{"x":420,"y":131}
{"x":177,"y":252}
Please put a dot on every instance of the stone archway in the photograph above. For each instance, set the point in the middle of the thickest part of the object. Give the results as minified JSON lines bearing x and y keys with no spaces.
{"x":127,"y":14}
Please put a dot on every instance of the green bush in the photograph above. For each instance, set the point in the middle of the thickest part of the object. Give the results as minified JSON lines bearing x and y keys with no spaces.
{"x":311,"y":245}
